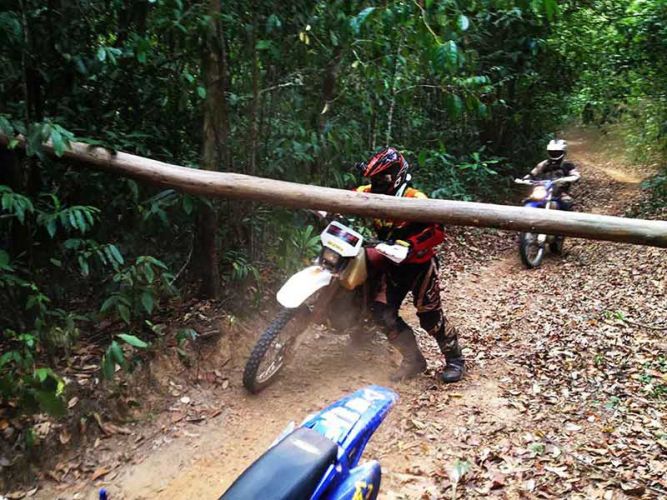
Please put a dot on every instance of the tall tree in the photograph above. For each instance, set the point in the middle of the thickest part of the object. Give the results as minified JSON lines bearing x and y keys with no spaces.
{"x":214,"y":148}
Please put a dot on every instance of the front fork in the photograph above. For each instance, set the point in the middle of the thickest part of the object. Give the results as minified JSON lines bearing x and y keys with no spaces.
{"x":313,"y":313}
{"x":321,"y":303}
{"x":542,"y":238}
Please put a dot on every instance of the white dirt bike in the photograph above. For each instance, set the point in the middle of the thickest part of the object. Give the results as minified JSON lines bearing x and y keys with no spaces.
{"x":334,"y":292}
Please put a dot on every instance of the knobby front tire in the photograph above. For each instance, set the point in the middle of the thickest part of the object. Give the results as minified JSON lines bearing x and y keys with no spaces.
{"x":269,"y":355}
{"x":530,"y":257}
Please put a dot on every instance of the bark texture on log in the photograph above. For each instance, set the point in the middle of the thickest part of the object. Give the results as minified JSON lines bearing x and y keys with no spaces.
{"x":293,"y":195}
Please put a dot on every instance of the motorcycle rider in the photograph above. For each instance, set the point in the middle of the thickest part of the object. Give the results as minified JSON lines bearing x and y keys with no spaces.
{"x":418,"y":273}
{"x":556,"y":167}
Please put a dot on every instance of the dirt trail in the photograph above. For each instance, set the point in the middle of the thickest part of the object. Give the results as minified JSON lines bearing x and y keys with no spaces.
{"x":516,"y":326}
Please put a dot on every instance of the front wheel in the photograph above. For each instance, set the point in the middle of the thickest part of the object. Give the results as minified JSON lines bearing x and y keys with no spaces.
{"x":531,"y":250}
{"x":274,"y":346}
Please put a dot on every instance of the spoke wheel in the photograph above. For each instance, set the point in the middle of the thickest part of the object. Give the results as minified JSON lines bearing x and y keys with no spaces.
{"x":273,"y":349}
{"x":531,"y":250}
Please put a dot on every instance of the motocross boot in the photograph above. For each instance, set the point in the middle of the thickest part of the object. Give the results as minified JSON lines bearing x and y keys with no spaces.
{"x":455,"y":367}
{"x":413,"y":362}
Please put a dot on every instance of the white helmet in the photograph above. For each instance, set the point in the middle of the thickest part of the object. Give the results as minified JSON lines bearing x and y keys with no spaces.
{"x":557,"y":149}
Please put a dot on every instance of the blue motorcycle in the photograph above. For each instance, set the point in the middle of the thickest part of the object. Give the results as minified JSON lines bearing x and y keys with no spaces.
{"x":531,"y":245}
{"x":319,"y":459}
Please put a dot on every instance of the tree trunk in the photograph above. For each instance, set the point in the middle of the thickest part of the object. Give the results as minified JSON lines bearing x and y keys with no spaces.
{"x":254,"y":123}
{"x":214,"y":152}
{"x":289,"y":194}
{"x":18,"y":240}
{"x":254,"y":104}
{"x":320,"y":114}
{"x":30,"y":179}
{"x":394,"y":88}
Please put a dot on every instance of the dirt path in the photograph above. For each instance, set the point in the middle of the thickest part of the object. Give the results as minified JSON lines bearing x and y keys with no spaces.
{"x":557,"y":394}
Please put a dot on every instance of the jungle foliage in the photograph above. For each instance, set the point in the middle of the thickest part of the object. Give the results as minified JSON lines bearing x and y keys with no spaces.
{"x":292,"y":90}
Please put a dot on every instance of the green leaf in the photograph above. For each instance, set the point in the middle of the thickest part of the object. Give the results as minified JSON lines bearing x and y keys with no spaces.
{"x":124,"y":313}
{"x":14,"y":356}
{"x":101,"y":54}
{"x":113,"y":52}
{"x":83,"y":264}
{"x":463,"y":22}
{"x":360,"y":18}
{"x":117,"y":354}
{"x":447,"y":55}
{"x":537,"y":448}
{"x":185,"y":334}
{"x":34,"y":142}
{"x":71,"y":217}
{"x":133,"y":341}
{"x":421,"y":159}
{"x":118,"y":257}
{"x":263,"y":45}
{"x":454,"y":105}
{"x":73,"y":243}
{"x":550,"y":8}
{"x":4,"y":260}
{"x":50,"y":403}
{"x":187,"y":204}
{"x":149,"y":273}
{"x":273,"y":22}
{"x":147,"y":301}
{"x":51,"y":227}
{"x":108,"y":303}
{"x":80,"y":221}
{"x":58,"y":142}
{"x":5,"y":126}
{"x":108,"y":366}
{"x":43,"y":373}
{"x":201,"y":92}
{"x":460,"y":469}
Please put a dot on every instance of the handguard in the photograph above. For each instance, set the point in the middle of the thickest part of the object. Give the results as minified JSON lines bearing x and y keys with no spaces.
{"x":396,"y":253}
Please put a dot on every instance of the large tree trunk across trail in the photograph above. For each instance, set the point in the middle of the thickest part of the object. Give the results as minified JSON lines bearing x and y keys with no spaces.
{"x":293,"y":195}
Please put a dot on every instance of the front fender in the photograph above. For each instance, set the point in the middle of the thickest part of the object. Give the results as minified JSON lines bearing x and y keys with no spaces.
{"x":302,"y":285}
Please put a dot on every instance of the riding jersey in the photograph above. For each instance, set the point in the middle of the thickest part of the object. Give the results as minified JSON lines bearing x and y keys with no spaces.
{"x":423,"y":237}
{"x":549,"y":170}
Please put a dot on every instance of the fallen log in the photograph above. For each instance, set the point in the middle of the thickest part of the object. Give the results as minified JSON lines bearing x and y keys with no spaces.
{"x":293,"y":195}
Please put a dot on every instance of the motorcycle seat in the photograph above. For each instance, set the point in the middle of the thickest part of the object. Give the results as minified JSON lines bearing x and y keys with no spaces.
{"x":291,"y":469}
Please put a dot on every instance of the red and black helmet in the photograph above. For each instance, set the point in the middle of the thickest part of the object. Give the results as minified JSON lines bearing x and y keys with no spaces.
{"x":387,"y":170}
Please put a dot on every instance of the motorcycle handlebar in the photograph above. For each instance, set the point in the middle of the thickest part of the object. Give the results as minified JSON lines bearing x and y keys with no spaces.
{"x":534,"y":182}
{"x":372,"y":242}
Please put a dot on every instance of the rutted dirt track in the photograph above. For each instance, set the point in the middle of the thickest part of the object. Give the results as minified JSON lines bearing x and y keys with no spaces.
{"x":565,"y":394}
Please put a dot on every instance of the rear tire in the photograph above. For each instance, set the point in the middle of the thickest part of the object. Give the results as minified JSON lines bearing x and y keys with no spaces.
{"x":531,"y":252}
{"x":272,"y":350}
